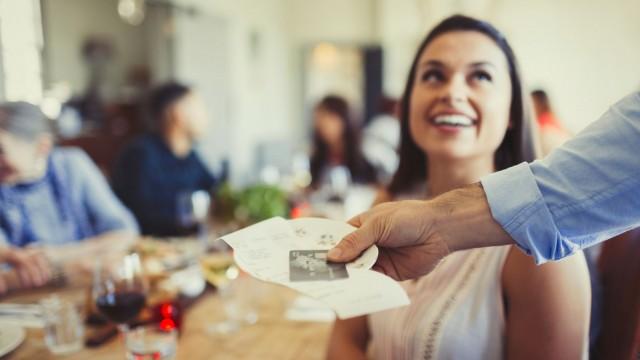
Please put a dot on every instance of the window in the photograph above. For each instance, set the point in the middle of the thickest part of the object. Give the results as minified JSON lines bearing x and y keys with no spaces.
{"x":21,"y":44}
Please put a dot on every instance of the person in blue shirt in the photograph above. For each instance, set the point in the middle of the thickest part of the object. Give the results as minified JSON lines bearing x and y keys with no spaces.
{"x":159,"y":168}
{"x":54,"y":199}
{"x":583,"y":193}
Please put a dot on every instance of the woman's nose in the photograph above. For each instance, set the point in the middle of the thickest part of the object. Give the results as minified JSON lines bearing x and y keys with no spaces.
{"x":455,"y":90}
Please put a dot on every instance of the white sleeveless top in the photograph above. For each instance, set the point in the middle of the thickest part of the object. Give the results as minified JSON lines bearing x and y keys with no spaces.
{"x":456,"y":312}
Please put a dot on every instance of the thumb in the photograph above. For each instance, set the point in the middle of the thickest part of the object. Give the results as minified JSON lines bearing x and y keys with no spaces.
{"x":356,"y":221}
{"x":352,"y":245}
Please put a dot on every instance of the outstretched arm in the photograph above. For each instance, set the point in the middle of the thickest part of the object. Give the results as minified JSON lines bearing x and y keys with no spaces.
{"x":583,"y":193}
{"x":413,"y":236}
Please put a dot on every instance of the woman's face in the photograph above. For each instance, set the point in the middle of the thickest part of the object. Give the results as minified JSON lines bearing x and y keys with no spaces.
{"x":461,"y":97}
{"x":328,"y":125}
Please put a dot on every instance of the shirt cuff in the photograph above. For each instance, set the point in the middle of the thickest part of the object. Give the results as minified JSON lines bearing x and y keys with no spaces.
{"x":518,"y":206}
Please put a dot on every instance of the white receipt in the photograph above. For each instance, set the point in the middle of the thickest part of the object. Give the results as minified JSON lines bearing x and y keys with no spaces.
{"x":262,"y":250}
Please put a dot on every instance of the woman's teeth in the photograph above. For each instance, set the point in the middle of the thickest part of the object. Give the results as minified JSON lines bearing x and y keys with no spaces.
{"x":453,"y":120}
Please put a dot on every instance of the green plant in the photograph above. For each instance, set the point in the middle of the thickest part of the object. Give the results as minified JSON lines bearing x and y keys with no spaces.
{"x":252,"y":204}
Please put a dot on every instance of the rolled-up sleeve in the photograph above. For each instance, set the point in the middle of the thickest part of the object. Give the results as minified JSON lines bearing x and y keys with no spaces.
{"x":583,"y":193}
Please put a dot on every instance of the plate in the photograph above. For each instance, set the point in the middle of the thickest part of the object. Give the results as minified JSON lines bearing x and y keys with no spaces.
{"x":323,"y":234}
{"x":11,"y":336}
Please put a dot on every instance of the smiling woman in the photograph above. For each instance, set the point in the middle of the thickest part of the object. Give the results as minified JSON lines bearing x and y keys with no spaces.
{"x":460,"y":100}
{"x":468,"y":71}
{"x":464,"y":116}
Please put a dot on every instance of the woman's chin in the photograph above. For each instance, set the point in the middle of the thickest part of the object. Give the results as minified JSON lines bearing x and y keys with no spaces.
{"x":450,"y":152}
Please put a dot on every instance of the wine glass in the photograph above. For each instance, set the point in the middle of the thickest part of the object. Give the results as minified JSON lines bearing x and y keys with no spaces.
{"x":193,"y":212}
{"x":119,"y":289}
{"x":221,"y":271}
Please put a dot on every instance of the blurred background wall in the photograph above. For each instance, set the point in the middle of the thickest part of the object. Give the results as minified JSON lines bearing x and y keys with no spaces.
{"x":585,"y":53}
{"x":253,"y":61}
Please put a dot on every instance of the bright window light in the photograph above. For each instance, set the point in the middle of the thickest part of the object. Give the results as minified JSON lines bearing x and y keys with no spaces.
{"x":20,"y":50}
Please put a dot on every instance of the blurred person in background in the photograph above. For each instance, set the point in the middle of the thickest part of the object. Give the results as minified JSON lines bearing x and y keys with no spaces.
{"x":381,"y":138}
{"x":552,"y":132}
{"x":464,"y":115}
{"x":336,"y":144}
{"x":161,"y":167}
{"x":54,"y":199}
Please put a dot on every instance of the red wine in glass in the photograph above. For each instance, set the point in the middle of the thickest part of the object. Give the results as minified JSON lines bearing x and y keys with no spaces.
{"x":121,"y":307}
{"x":119,"y":289}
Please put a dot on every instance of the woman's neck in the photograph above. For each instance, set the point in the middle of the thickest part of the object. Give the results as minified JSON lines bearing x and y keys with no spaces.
{"x":178,"y":142}
{"x":448,"y":174}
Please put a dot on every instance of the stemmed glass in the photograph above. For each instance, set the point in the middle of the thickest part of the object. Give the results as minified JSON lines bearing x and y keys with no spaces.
{"x":221,"y":271}
{"x":119,"y":289}
{"x":193,"y":212}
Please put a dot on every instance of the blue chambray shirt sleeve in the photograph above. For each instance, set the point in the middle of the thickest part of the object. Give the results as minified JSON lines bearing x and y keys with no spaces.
{"x":583,"y":193}
{"x":106,"y":211}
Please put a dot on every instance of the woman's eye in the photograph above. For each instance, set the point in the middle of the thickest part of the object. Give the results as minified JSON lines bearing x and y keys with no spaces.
{"x":482,"y":76}
{"x":432,"y":76}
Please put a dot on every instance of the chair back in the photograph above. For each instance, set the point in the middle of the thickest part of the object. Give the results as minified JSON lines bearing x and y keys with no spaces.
{"x":619,"y":266}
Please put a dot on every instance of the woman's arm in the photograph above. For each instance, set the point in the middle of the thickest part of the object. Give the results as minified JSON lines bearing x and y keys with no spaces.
{"x":349,"y":339}
{"x":547,"y":307}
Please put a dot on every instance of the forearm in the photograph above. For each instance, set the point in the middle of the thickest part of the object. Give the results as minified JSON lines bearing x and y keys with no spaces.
{"x":117,"y":241}
{"x":464,"y":220}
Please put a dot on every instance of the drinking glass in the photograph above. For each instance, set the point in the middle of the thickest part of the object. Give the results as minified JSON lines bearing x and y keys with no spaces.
{"x":193,"y":212}
{"x":220,"y":270}
{"x":63,"y":326}
{"x":151,"y":343}
{"x":119,"y":289}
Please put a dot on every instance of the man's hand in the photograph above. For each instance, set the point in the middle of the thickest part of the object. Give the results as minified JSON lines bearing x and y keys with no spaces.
{"x":413,"y":236}
{"x":31,"y":266}
{"x":404,"y":233}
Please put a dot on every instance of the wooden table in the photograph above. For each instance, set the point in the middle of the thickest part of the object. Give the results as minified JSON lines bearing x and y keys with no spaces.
{"x":272,"y":337}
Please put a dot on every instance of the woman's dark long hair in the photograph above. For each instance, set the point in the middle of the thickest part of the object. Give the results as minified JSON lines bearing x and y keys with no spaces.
{"x":518,"y":145}
{"x":361,"y":171}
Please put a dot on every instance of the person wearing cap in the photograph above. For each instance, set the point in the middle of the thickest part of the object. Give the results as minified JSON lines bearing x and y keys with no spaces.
{"x":583,"y":193}
{"x":54,"y":200}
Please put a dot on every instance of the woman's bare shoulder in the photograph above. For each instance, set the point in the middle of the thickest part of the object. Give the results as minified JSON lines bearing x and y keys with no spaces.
{"x":522,"y":277}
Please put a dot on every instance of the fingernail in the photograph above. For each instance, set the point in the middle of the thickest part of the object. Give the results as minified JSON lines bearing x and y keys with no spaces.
{"x":334,"y":253}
